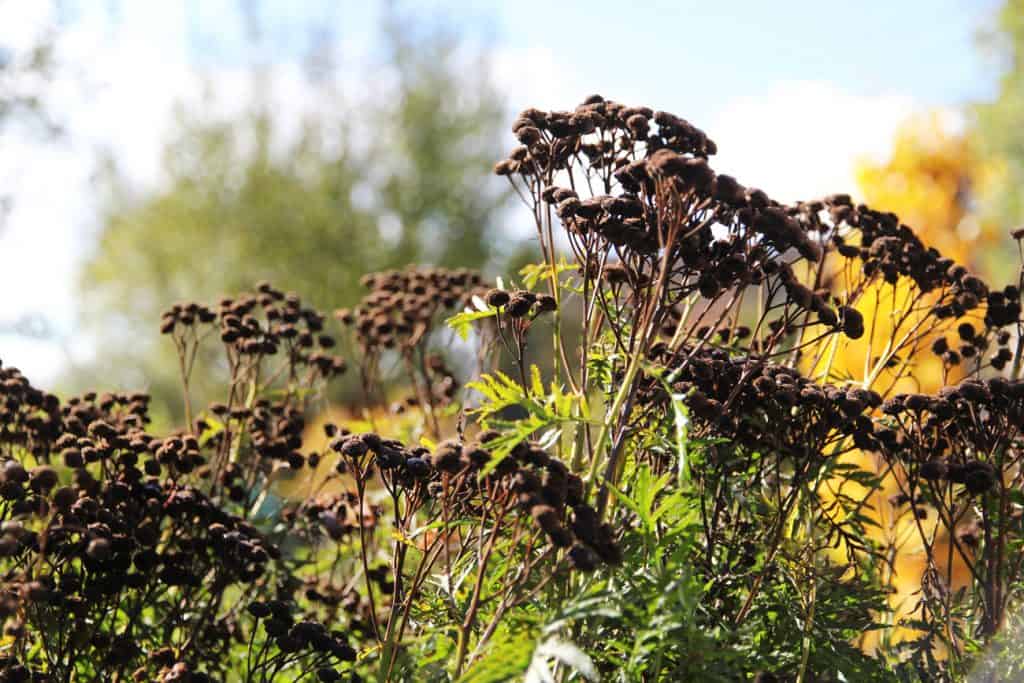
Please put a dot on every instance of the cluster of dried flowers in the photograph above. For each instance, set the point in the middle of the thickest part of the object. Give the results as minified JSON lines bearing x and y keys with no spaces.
{"x":402,"y":307}
{"x":401,"y":312}
{"x":132,"y":555}
{"x":127,"y":554}
{"x":736,"y":305}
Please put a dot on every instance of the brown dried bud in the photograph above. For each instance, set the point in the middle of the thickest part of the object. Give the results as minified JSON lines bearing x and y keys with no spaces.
{"x":496,"y":298}
{"x":99,"y":549}
{"x":518,"y":306}
{"x":546,"y":517}
{"x":853,"y":322}
{"x":583,"y":558}
{"x":448,"y":457}
{"x":546,"y":303}
{"x":980,"y":477}
{"x":933,"y":470}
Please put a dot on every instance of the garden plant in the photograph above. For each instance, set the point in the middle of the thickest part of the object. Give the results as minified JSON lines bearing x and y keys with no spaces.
{"x":673,"y":498}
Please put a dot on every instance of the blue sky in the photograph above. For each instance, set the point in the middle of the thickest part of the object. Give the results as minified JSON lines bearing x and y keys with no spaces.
{"x":928,"y":49}
{"x":794,"y":93}
{"x":922,"y":48}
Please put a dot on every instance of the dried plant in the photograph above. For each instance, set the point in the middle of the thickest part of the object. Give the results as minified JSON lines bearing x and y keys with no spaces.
{"x":675,"y":501}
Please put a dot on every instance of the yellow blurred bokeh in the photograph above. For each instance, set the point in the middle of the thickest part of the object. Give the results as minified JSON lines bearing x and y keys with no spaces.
{"x":929,"y":182}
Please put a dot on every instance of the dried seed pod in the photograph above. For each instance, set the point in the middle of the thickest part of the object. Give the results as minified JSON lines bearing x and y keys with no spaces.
{"x":447,"y":457}
{"x":979,"y":478}
{"x":519,"y":306}
{"x":583,"y":558}
{"x":351,"y":446}
{"x":852,"y":322}
{"x":497,"y":298}
{"x":546,"y":517}
{"x":933,"y":470}
{"x":546,"y":303}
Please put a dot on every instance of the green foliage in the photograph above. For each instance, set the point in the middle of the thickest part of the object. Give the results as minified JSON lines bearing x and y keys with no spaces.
{"x":507,"y":658}
{"x":673,"y":501}
{"x":995,"y":133}
{"x":546,"y":411}
{"x":462,"y":322}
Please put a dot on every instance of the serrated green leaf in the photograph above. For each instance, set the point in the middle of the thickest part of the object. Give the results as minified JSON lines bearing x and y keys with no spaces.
{"x":506,"y":659}
{"x":462,"y":322}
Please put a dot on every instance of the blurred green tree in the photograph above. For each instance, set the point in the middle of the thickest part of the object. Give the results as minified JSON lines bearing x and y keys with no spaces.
{"x":997,"y":131}
{"x":400,"y":177}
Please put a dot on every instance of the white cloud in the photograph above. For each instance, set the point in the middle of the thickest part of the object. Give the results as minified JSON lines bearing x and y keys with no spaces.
{"x":533,"y":77}
{"x":111,"y":89}
{"x":802,"y":140}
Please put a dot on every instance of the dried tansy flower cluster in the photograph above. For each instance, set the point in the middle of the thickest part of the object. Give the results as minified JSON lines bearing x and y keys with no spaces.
{"x":720,"y":301}
{"x":690,"y":441}
{"x":402,"y":306}
{"x":128,"y":556}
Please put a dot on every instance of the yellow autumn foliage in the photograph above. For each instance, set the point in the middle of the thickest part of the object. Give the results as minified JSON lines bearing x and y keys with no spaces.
{"x":928,"y":181}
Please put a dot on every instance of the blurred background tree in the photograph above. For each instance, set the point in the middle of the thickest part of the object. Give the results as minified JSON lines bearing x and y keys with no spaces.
{"x":929,"y":180}
{"x":396,"y":177}
{"x":26,"y":68}
{"x":997,"y":128}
